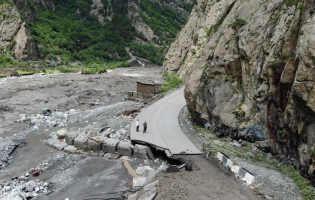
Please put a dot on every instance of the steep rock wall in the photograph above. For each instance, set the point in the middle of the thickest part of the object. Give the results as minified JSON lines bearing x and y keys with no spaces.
{"x":15,"y":38}
{"x":248,"y":68}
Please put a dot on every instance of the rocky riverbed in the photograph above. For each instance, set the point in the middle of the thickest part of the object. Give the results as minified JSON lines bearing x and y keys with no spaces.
{"x":35,"y":109}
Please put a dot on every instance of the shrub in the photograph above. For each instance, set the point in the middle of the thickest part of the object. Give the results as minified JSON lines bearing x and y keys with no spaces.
{"x":238,"y":23}
{"x":170,"y":81}
{"x":3,"y":75}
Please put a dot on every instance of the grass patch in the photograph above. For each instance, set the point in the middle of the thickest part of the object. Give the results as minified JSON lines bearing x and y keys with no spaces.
{"x":64,"y":69}
{"x":25,"y":73}
{"x":307,"y":191}
{"x":3,"y":75}
{"x":170,"y":81}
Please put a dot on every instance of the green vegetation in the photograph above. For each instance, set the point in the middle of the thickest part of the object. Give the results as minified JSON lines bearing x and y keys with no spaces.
{"x":307,"y":191}
{"x":73,"y":37}
{"x":238,"y":23}
{"x":149,"y":52}
{"x":170,"y":81}
{"x":216,"y":26}
{"x":3,"y":75}
{"x":164,"y":22}
{"x":24,"y":73}
{"x":99,"y":68}
{"x":300,"y":7}
{"x":208,"y":31}
{"x":10,"y":2}
{"x":7,"y":61}
{"x":291,"y":2}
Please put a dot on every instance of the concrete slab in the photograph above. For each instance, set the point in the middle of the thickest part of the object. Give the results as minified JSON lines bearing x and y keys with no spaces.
{"x":111,"y":155}
{"x":133,"y":196}
{"x":80,"y":140}
{"x":142,"y":151}
{"x":110,"y":145}
{"x":124,"y":148}
{"x":138,"y":182}
{"x":163,"y":126}
{"x":69,"y":137}
{"x":70,"y":149}
{"x":92,"y":145}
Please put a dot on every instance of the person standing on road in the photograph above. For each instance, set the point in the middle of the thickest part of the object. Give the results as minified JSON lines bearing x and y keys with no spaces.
{"x":137,"y":124}
{"x":145,"y":127}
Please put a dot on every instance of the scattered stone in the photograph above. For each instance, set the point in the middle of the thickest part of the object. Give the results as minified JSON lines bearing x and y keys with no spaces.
{"x":172,"y":168}
{"x":107,"y":132}
{"x":111,"y":155}
{"x":62,"y":133}
{"x":70,"y":149}
{"x":236,"y":143}
{"x":46,"y":112}
{"x":126,"y":158}
{"x":110,"y":145}
{"x":36,"y":173}
{"x":141,"y":170}
{"x":217,"y":142}
{"x":124,"y":148}
{"x":250,"y":154}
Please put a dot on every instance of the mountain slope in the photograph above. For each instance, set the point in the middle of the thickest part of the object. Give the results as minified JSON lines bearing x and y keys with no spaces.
{"x":61,"y":32}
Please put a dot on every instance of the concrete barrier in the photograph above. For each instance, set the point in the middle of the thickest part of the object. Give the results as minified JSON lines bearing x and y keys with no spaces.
{"x":238,"y":171}
{"x":124,"y":148}
{"x":110,"y":145}
{"x":93,"y":145}
{"x":69,"y":137}
{"x":142,"y":151}
{"x":80,"y":141}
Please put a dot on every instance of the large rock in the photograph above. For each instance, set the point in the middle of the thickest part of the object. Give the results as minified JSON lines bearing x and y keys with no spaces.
{"x":245,"y":64}
{"x":124,"y":148}
{"x":110,"y":145}
{"x":62,"y":133}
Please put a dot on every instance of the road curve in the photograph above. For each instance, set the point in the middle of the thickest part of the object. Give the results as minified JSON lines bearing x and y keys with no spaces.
{"x":163,"y":125}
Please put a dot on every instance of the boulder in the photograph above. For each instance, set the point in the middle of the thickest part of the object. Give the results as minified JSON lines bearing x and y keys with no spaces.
{"x":124,"y":148}
{"x":110,"y":145}
{"x":46,"y":112}
{"x":62,"y":133}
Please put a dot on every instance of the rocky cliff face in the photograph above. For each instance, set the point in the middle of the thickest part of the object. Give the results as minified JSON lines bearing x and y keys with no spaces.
{"x":249,"y":70}
{"x":15,"y":37}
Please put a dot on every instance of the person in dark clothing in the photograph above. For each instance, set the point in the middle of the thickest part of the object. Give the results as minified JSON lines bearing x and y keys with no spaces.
{"x":145,"y":127}
{"x":137,"y":125}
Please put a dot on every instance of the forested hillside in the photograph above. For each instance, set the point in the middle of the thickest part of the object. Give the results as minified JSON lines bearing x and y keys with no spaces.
{"x":94,"y":31}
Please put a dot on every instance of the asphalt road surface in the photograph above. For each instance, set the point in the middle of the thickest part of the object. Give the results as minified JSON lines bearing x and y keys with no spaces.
{"x":163,"y":125}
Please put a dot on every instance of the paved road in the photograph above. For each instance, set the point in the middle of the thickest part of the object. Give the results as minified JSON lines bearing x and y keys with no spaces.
{"x":163,"y":125}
